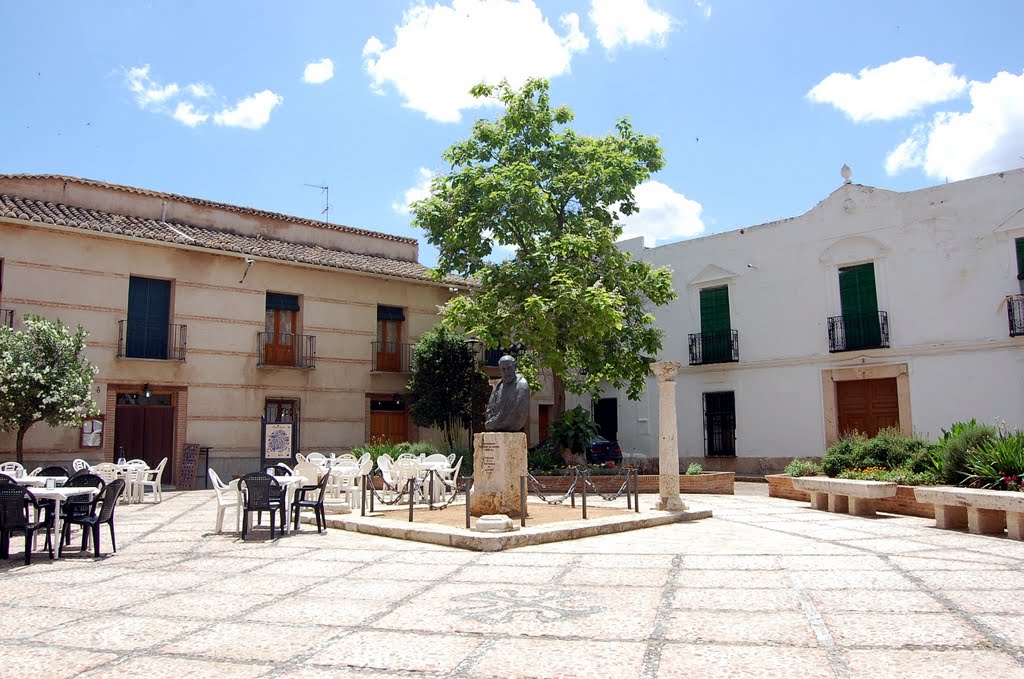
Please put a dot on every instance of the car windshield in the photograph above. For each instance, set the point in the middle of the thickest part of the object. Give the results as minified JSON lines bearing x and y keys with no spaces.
{"x":598,"y":439}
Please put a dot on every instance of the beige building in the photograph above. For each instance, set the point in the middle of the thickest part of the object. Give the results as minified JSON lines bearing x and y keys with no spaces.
{"x":204,"y":318}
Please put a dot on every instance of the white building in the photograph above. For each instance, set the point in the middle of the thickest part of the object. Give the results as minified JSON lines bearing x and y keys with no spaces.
{"x":873,"y":309}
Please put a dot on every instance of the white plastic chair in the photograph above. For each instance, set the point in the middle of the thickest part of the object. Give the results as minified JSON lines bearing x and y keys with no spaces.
{"x":404,"y":470}
{"x":78,"y":464}
{"x":299,"y":457}
{"x":35,"y":472}
{"x":153,"y":479}
{"x":346,"y":458}
{"x":386,"y":466}
{"x":451,"y":459}
{"x":363,"y":459}
{"x":14,"y":469}
{"x":451,"y":479}
{"x":406,"y":456}
{"x":226,"y":497}
{"x":107,"y":471}
{"x":316,"y":458}
{"x":134,"y":476}
{"x":137,"y":462}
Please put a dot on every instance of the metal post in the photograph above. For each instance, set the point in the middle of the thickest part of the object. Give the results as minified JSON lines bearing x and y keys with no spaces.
{"x":636,"y":491}
{"x":372,"y":493}
{"x":629,"y":488}
{"x":409,"y":487}
{"x":522,"y":501}
{"x":584,"y":497}
{"x":465,"y":489}
{"x":362,"y":495}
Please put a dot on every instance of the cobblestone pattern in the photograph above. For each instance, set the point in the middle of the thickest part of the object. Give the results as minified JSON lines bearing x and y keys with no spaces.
{"x":766,"y":588}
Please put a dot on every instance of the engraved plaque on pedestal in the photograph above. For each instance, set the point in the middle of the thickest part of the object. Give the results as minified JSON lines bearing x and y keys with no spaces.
{"x":499,"y":461}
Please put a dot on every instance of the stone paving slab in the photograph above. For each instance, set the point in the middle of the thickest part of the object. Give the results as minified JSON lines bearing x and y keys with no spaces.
{"x":765,"y":588}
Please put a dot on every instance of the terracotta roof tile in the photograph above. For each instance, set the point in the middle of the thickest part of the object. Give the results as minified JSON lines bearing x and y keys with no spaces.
{"x":209,"y":203}
{"x":24,"y":209}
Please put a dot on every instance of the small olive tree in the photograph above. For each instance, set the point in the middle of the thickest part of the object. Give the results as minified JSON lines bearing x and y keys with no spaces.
{"x":43,"y":377}
{"x":446,"y":384}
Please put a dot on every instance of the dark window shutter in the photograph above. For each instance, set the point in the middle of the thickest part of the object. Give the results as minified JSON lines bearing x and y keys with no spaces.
{"x":1020,"y":258}
{"x":149,"y":310}
{"x":390,"y":313}
{"x":276,"y":300}
{"x":714,"y":325}
{"x":859,"y":302}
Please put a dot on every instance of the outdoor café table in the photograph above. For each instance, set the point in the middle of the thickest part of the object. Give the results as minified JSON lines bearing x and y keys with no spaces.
{"x":31,"y":481}
{"x":59,"y":496}
{"x":287,"y":484}
{"x":442,"y":470}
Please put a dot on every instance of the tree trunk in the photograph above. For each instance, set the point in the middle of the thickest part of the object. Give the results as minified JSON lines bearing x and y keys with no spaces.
{"x":19,"y":446}
{"x":558,"y":391}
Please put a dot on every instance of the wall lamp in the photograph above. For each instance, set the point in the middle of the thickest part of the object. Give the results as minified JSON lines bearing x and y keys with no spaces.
{"x":145,"y":390}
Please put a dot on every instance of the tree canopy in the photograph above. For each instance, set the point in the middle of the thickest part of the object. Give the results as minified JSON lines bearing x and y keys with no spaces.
{"x":527,"y":185}
{"x":446,"y":383}
{"x":43,"y":377}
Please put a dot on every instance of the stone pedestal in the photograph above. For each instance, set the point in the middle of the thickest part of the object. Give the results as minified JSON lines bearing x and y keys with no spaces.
{"x":668,"y":448}
{"x":499,"y":460}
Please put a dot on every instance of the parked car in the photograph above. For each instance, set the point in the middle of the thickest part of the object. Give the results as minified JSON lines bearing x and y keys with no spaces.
{"x":599,"y":451}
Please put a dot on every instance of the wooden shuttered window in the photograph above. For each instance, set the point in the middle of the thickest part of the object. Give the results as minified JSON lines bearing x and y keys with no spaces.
{"x":859,"y":302}
{"x":715,"y":325}
{"x":149,"y":311}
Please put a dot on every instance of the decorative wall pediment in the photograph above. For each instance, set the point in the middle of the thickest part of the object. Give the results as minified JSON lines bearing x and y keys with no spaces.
{"x":712,"y":274}
{"x":854,"y":249}
{"x":1014,"y":223}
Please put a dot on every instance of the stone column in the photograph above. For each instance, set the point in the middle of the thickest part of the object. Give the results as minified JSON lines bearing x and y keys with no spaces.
{"x":668,"y":448}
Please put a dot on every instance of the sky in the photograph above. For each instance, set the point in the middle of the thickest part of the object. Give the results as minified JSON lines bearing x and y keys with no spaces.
{"x":757,"y":104}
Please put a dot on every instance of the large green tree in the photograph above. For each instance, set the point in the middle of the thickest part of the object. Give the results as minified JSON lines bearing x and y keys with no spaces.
{"x":446,"y":388}
{"x":526,"y":184}
{"x":43,"y":377}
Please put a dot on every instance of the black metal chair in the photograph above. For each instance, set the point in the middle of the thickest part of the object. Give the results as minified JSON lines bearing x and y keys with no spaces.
{"x":81,"y":505}
{"x":53,"y":470}
{"x":4,"y":478}
{"x":299,"y":502}
{"x":15,"y":501}
{"x":107,"y":502}
{"x":262,"y":494}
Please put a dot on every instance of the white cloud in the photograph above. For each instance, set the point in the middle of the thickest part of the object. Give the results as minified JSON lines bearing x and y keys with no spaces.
{"x":252,"y":113}
{"x":318,"y":72}
{"x":148,"y":92}
{"x":704,"y":6}
{"x":891,"y":91}
{"x":414,"y":193}
{"x":663,"y":215}
{"x":200,"y":90}
{"x":441,"y":51}
{"x":988,"y":138}
{"x":629,"y":22}
{"x":186,"y":113}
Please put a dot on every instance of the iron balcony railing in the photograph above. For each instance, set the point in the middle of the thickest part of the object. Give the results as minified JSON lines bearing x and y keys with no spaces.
{"x":391,"y":357}
{"x":160,"y":341}
{"x":721,"y":346}
{"x":1015,"y":312}
{"x":286,"y":350}
{"x":7,"y":317}
{"x":858,"y":331}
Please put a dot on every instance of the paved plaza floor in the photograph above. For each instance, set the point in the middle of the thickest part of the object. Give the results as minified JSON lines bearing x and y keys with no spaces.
{"x":765,"y":588}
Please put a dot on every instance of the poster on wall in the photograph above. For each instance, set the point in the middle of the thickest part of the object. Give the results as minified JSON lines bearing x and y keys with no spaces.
{"x":277,"y":441}
{"x":92,"y":432}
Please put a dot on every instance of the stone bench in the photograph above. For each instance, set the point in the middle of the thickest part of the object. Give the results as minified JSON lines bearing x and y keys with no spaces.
{"x":844,"y":495}
{"x":981,"y":511}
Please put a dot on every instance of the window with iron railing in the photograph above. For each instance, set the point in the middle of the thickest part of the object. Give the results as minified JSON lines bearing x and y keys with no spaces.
{"x":286,"y":350}
{"x":1015,"y":313}
{"x":390,"y":357}
{"x":722,"y":346}
{"x":145,"y":339}
{"x":858,"y":331}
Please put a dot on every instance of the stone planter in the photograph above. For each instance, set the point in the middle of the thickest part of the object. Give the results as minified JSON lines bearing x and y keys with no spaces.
{"x":714,"y":483}
{"x":781,"y":485}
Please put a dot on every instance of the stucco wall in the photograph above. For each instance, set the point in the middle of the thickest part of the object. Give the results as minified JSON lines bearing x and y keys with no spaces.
{"x":944,"y":262}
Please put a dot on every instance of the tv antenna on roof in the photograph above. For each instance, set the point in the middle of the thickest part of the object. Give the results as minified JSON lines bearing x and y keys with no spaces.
{"x":326,"y":190}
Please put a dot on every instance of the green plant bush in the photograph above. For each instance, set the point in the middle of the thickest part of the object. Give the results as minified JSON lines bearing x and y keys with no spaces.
{"x":997,"y":463}
{"x":905,"y":476}
{"x":543,"y":459}
{"x":694,"y":469}
{"x":799,"y":467}
{"x":950,"y":460}
{"x":889,"y":449}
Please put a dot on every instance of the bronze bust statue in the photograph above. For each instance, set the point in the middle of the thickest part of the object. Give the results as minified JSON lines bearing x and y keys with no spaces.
{"x":509,"y":405}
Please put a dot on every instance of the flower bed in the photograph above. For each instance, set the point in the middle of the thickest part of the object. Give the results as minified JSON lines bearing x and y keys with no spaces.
{"x":713,"y":483}
{"x":781,"y":485}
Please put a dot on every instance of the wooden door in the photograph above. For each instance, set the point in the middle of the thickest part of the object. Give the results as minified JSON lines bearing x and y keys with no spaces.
{"x":145,"y":431}
{"x":280,"y":346}
{"x":389,"y":338}
{"x":867,"y":406}
{"x":390,"y":426}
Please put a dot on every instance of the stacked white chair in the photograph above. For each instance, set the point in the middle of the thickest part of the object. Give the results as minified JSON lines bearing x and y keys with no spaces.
{"x":226,"y":497}
{"x":152,"y":480}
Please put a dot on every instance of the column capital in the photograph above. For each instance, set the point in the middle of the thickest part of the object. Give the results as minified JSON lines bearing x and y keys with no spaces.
{"x":666,"y":371}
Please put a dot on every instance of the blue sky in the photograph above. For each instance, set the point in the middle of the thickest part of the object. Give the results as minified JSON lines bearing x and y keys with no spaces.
{"x":758,"y":104}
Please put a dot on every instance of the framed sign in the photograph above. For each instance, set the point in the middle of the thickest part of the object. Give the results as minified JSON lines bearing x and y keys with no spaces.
{"x":91,"y":435}
{"x":277,"y":440}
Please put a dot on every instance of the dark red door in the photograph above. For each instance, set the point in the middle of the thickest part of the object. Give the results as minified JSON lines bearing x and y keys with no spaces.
{"x":144,"y":428}
{"x":867,"y":405}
